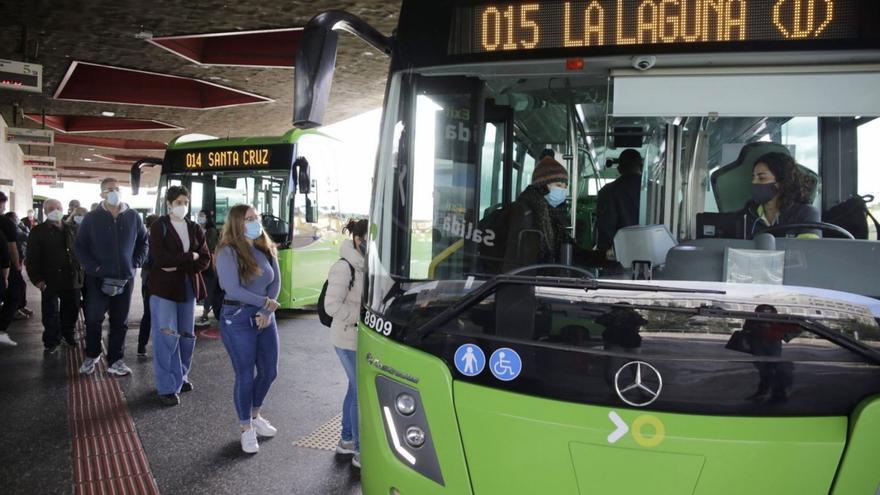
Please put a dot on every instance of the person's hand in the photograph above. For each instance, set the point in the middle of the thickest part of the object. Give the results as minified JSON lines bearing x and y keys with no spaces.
{"x":262,"y":320}
{"x":271,"y":305}
{"x":195,"y":256}
{"x":172,"y":269}
{"x":41,"y":285}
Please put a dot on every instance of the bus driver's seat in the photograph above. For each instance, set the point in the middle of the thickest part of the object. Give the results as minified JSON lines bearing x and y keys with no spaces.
{"x":731,"y":184}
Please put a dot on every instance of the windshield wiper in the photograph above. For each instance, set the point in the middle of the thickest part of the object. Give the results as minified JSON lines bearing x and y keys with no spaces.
{"x":812,"y":325}
{"x":492,"y":285}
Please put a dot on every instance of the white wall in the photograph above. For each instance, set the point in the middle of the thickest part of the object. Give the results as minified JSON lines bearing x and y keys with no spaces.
{"x":21,"y":195}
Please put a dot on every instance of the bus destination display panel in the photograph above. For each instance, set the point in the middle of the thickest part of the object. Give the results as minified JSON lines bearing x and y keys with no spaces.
{"x":278,"y":156}
{"x":526,"y":26}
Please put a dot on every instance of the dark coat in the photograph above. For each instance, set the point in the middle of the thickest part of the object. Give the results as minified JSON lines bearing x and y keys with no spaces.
{"x":166,"y":251}
{"x":111,"y":247}
{"x":797,"y":213}
{"x":617,"y":207}
{"x":51,"y":257}
{"x":534,"y":234}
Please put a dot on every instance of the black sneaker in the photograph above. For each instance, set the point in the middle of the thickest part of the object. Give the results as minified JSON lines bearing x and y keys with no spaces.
{"x":187,"y":387}
{"x":142,"y":351}
{"x":170,"y":399}
{"x":51,"y":349}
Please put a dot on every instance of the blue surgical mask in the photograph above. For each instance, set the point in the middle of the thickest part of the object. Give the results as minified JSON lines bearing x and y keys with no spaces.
{"x":253,"y":229}
{"x":556,"y":196}
{"x":113,"y":198}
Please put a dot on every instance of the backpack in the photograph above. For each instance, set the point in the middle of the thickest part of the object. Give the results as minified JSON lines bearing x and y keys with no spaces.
{"x":326,"y":319}
{"x":852,"y":215}
{"x":497,"y":221}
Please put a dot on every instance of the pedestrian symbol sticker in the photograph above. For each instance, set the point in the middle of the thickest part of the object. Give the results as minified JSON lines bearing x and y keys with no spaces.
{"x":505,"y":364}
{"x":470,"y":360}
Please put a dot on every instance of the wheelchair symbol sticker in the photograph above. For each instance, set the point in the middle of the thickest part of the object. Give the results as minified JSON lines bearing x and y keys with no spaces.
{"x":470,"y":360}
{"x":505,"y":364}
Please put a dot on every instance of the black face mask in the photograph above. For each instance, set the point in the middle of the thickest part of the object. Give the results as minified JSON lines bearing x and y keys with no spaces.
{"x":762,"y":193}
{"x":362,"y":248}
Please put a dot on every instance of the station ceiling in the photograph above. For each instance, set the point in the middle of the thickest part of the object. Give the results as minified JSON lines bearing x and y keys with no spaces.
{"x":112,"y":33}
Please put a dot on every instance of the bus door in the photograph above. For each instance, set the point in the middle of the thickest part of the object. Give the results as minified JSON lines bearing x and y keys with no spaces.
{"x":201,"y":195}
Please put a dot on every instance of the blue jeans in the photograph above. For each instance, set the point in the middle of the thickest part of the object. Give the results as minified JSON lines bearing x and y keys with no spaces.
{"x":172,"y":324}
{"x":97,"y":304}
{"x":350,"y":403}
{"x":249,"y":348}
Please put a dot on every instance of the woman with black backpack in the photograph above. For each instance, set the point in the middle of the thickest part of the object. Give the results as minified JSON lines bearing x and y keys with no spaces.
{"x":342,"y":301}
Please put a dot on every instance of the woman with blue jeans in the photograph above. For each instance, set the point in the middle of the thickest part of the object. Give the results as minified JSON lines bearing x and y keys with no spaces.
{"x":345,"y":285}
{"x":179,"y":255}
{"x":247,"y":269}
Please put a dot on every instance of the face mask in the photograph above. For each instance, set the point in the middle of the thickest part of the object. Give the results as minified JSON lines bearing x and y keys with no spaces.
{"x":252,"y":229}
{"x":179,"y":211}
{"x":78,"y":219}
{"x":54,"y":215}
{"x":202,"y":220}
{"x":113,"y":198}
{"x":362,"y":248}
{"x":556,"y":196}
{"x":762,"y":193}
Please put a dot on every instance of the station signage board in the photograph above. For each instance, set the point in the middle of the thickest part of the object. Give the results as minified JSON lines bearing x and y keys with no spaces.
{"x":25,"y":136}
{"x":39,"y":161}
{"x":21,"y":76}
{"x":43,"y":170}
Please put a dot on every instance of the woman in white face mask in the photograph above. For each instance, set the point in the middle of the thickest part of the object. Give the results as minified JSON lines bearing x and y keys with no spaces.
{"x":76,"y":217}
{"x":179,"y":255}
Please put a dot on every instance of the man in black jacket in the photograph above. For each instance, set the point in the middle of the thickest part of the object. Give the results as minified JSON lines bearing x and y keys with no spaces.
{"x":618,"y":203}
{"x":52,"y":267}
{"x":14,"y":281}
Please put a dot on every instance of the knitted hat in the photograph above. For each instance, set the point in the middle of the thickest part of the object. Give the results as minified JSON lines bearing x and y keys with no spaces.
{"x":547,"y":171}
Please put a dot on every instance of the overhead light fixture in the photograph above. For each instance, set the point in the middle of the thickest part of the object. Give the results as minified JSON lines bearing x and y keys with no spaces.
{"x":108,"y":114}
{"x":87,"y":159}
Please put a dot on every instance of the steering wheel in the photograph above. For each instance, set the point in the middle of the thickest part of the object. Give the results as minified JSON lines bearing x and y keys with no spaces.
{"x":544,"y":266}
{"x":809,"y":225}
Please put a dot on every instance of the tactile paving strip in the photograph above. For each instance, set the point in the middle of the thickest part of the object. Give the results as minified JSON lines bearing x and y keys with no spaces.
{"x":106,"y":451}
{"x":325,"y":437}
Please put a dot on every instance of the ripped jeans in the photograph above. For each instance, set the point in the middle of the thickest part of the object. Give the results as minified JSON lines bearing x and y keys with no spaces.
{"x":172,"y":326}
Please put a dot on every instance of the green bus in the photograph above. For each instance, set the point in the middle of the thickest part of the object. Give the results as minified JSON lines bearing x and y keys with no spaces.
{"x":575,"y":378}
{"x":291,"y":180}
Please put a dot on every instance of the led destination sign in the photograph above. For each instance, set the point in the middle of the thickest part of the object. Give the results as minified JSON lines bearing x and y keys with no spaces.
{"x":274,"y":156}
{"x":514,"y":26}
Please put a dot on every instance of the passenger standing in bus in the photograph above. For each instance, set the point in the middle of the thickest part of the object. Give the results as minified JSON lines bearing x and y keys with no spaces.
{"x":111,"y":244}
{"x":345,"y":286}
{"x":145,"y":324}
{"x":781,"y":195}
{"x":618,"y":203}
{"x":53,"y":268}
{"x":247,"y":267}
{"x":178,"y":255}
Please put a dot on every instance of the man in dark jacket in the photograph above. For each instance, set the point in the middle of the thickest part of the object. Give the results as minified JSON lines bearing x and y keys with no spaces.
{"x":111,"y":244}
{"x":53,"y":268}
{"x":618,"y":203}
{"x":14,"y":282}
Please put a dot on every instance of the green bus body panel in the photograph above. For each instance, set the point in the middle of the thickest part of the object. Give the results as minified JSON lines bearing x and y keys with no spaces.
{"x":860,"y":470}
{"x":381,"y":469}
{"x":522,"y":444}
{"x":304,"y":270}
{"x":504,"y":443}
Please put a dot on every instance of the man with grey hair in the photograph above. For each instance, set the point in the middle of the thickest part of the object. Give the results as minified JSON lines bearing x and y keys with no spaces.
{"x":52,"y":267}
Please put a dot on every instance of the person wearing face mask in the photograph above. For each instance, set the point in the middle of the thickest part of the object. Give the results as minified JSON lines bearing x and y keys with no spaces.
{"x":53,"y":268}
{"x":30,"y":221}
{"x":345,"y":285}
{"x":535,"y":233}
{"x":247,"y":267}
{"x":111,"y":244}
{"x":781,"y":195}
{"x":14,"y":282}
{"x":71,"y":207}
{"x":617,"y":205}
{"x":76,"y":218}
{"x":178,"y":256}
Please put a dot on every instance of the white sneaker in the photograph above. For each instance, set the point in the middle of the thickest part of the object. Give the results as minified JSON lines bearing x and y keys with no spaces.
{"x":5,"y":340}
{"x":345,"y":447}
{"x":119,"y":368}
{"x":88,"y":366}
{"x":263,"y":427}
{"x":356,"y":460}
{"x":249,"y":441}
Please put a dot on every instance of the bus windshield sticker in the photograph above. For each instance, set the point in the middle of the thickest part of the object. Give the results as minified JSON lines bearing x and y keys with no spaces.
{"x":505,"y":364}
{"x":470,"y":360}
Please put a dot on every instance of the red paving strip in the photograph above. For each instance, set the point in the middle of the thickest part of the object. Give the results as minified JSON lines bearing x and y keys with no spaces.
{"x":107,"y":455}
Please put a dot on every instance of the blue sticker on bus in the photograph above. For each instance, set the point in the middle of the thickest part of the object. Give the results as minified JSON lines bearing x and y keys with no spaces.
{"x":470,"y":360}
{"x":505,"y":364}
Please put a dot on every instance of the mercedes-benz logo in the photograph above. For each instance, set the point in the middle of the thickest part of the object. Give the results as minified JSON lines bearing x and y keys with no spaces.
{"x":638,"y":383}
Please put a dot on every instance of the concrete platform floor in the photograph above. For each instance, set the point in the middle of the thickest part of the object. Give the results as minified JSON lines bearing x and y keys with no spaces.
{"x":192,"y":448}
